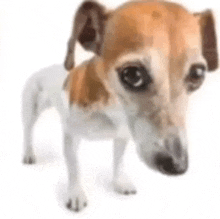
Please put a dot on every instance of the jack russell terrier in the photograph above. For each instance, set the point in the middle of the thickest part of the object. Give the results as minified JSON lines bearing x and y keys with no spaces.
{"x":149,"y":57}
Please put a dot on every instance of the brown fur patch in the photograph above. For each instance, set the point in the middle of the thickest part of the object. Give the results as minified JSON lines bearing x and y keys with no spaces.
{"x":85,"y":87}
{"x":133,"y":27}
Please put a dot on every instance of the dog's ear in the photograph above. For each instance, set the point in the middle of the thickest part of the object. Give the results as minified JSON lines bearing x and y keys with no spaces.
{"x":88,"y":30}
{"x":209,"y":39}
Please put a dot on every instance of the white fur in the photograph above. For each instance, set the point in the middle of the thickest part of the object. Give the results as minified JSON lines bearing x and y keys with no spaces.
{"x":45,"y":89}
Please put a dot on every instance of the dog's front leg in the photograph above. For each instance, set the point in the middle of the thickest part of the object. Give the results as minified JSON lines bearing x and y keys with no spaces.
{"x":121,"y":182}
{"x":76,"y":196}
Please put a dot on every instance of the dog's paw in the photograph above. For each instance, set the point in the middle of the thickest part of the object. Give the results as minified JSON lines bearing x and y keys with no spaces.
{"x":29,"y":159}
{"x":124,"y":186}
{"x":77,"y":200}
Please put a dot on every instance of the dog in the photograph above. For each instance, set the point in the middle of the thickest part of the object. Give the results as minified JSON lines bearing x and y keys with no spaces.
{"x":149,"y":56}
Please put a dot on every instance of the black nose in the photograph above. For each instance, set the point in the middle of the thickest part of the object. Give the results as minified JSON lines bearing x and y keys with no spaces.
{"x":166,"y":165}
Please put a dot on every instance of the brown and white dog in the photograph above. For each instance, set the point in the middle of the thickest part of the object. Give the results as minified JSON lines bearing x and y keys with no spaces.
{"x":150,"y":56}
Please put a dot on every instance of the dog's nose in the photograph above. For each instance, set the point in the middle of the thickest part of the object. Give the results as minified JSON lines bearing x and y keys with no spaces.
{"x":166,"y":164}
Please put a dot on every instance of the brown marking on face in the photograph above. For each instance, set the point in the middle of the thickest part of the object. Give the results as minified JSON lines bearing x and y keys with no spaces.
{"x":85,"y":87}
{"x":171,"y":30}
{"x":133,"y":27}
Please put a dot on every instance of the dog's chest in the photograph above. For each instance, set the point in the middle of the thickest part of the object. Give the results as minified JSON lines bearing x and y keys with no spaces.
{"x":109,"y":122}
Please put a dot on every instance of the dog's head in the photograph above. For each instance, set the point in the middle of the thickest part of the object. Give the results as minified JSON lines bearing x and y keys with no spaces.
{"x":153,"y":55}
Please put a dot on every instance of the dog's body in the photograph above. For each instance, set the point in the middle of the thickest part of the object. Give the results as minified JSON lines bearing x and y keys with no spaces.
{"x":149,"y":57}
{"x":45,"y":89}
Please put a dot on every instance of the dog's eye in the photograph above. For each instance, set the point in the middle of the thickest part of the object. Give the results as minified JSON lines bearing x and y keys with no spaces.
{"x":197,"y":72}
{"x":134,"y":78}
{"x":195,"y":77}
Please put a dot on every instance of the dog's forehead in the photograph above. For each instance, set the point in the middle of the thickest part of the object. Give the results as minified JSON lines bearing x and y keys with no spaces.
{"x":164,"y":26}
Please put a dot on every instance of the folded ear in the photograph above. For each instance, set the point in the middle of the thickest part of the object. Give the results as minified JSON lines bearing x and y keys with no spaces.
{"x":209,"y":39}
{"x":88,"y":30}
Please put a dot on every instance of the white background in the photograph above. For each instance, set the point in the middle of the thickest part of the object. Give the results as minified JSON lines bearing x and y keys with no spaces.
{"x":33,"y":35}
